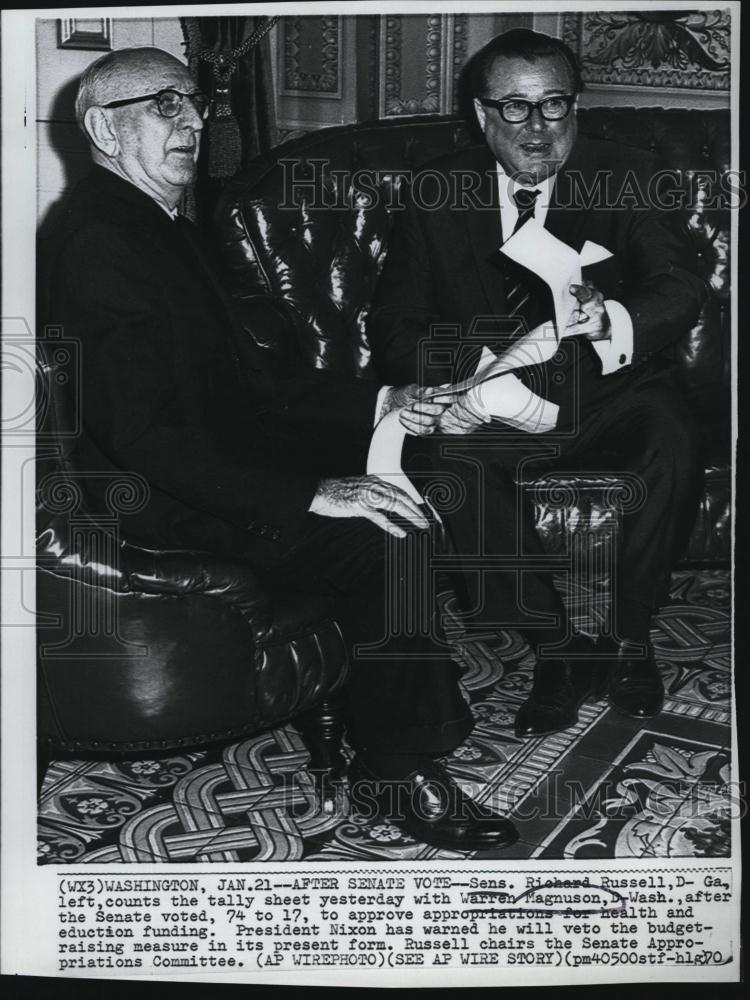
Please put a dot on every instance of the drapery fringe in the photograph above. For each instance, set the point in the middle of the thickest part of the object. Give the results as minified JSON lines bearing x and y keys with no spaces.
{"x":223,"y":133}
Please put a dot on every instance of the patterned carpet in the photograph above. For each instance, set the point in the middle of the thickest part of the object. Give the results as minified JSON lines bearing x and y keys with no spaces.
{"x":609,"y":787}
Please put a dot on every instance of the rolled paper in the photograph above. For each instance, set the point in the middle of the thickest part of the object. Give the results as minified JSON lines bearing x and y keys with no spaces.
{"x":384,"y":456}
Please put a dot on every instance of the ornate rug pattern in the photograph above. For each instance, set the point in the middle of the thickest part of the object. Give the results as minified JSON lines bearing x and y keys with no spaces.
{"x":610,"y":787}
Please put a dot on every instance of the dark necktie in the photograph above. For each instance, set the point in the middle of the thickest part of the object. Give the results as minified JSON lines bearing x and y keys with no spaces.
{"x":525,"y":200}
{"x":517,"y":291}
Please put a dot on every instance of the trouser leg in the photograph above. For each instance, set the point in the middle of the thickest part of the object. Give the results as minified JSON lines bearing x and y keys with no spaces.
{"x":644,"y":434}
{"x":506,"y":575}
{"x":649,"y":433}
{"x":403,"y":694}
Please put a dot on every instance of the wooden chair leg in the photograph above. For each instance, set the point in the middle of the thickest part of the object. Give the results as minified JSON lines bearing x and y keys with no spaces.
{"x":322,"y":729}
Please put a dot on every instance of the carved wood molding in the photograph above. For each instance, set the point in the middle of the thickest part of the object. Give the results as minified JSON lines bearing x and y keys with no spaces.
{"x":390,"y":64}
{"x":686,"y":50}
{"x":444,"y":40}
{"x":310,"y":53}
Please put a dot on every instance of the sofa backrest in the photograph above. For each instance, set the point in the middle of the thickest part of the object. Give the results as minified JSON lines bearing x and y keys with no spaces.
{"x":309,"y":223}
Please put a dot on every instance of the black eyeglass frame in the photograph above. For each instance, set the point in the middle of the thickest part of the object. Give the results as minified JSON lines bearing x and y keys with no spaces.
{"x":121,"y":103}
{"x":569,"y":100}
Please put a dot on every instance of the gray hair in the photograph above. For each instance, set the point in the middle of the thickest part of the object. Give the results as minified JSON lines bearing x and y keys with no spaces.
{"x":93,"y":82}
{"x":97,"y":81}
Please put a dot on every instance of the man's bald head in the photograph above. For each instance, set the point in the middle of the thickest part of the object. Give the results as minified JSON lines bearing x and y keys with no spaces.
{"x":152,"y":145}
{"x":126,"y":73}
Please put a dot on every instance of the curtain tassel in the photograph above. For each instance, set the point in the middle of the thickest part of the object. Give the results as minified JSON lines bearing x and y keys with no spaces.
{"x":224,"y":138}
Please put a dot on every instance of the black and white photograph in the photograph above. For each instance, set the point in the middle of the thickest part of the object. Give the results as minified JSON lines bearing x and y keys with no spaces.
{"x":371,"y":419}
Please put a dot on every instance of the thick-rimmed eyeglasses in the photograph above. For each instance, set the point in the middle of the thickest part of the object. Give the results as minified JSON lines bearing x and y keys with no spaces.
{"x":168,"y":102}
{"x":515,"y":111}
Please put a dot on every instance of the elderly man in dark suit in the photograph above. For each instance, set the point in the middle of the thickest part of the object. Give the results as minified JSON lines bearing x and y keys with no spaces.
{"x":617,"y":412}
{"x":270,"y":469}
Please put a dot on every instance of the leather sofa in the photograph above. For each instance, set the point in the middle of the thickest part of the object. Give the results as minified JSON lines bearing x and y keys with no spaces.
{"x":301,"y":225}
{"x":144,"y":652}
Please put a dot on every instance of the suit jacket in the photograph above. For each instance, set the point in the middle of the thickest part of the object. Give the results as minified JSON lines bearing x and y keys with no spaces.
{"x":173,"y":389}
{"x":443,"y":267}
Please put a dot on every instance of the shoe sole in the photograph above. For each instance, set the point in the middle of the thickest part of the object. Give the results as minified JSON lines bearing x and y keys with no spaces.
{"x":590,"y":695}
{"x":498,"y":843}
{"x":635,"y":715}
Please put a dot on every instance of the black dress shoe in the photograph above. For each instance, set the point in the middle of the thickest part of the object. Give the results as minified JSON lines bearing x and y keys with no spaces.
{"x":560,"y":688}
{"x":429,"y":805}
{"x":635,"y":685}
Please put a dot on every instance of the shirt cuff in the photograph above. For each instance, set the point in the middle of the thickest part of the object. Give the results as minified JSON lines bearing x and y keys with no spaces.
{"x":617,"y":352}
{"x":379,"y":402}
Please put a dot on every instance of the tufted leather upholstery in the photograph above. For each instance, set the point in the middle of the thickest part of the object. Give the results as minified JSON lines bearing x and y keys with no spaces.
{"x":309,"y":224}
{"x":147,"y":650}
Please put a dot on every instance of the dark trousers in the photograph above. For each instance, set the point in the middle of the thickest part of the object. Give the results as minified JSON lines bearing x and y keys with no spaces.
{"x":645,"y":433}
{"x":402,"y":693}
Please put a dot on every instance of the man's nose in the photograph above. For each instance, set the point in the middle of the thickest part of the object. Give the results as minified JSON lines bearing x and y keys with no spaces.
{"x":189,"y":117}
{"x":535,"y":121}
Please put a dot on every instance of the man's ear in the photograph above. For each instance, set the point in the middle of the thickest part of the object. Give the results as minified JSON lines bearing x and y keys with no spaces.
{"x":480,"y":112}
{"x":99,"y":129}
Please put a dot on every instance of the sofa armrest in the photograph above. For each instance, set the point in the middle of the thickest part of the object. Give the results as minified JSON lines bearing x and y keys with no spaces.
{"x":131,"y":569}
{"x":124,"y":568}
{"x":274,"y":618}
{"x":184,"y":572}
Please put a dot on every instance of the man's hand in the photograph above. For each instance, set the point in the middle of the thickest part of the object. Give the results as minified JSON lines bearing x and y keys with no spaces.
{"x":591,"y":318}
{"x":461,"y":418}
{"x":370,"y":497}
{"x":420,"y":415}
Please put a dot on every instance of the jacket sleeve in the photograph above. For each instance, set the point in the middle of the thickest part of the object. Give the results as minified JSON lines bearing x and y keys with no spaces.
{"x":405,"y":306}
{"x":131,"y":401}
{"x":663,"y":292}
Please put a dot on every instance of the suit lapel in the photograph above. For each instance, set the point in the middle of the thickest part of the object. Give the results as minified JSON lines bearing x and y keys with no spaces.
{"x":181,"y":249}
{"x":485,"y":233}
{"x":568,"y":212}
{"x":189,"y":235}
{"x":240,"y":345}
{"x":179,"y":236}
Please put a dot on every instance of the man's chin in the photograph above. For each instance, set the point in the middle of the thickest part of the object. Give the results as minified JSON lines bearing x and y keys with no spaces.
{"x":535,"y":171}
{"x":183,"y":178}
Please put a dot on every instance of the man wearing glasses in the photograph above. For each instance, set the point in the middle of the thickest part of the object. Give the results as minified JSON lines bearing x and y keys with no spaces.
{"x":241,"y":460}
{"x":616,"y":410}
{"x":160,"y":158}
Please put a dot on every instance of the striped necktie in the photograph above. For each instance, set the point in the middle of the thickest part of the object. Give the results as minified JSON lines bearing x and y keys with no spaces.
{"x":517,"y":292}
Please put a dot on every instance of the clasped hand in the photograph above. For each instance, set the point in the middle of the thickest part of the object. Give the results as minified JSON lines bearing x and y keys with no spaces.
{"x":419,"y":414}
{"x":449,"y":413}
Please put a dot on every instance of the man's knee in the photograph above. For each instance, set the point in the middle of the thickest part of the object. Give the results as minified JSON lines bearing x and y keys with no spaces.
{"x":664,"y":424}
